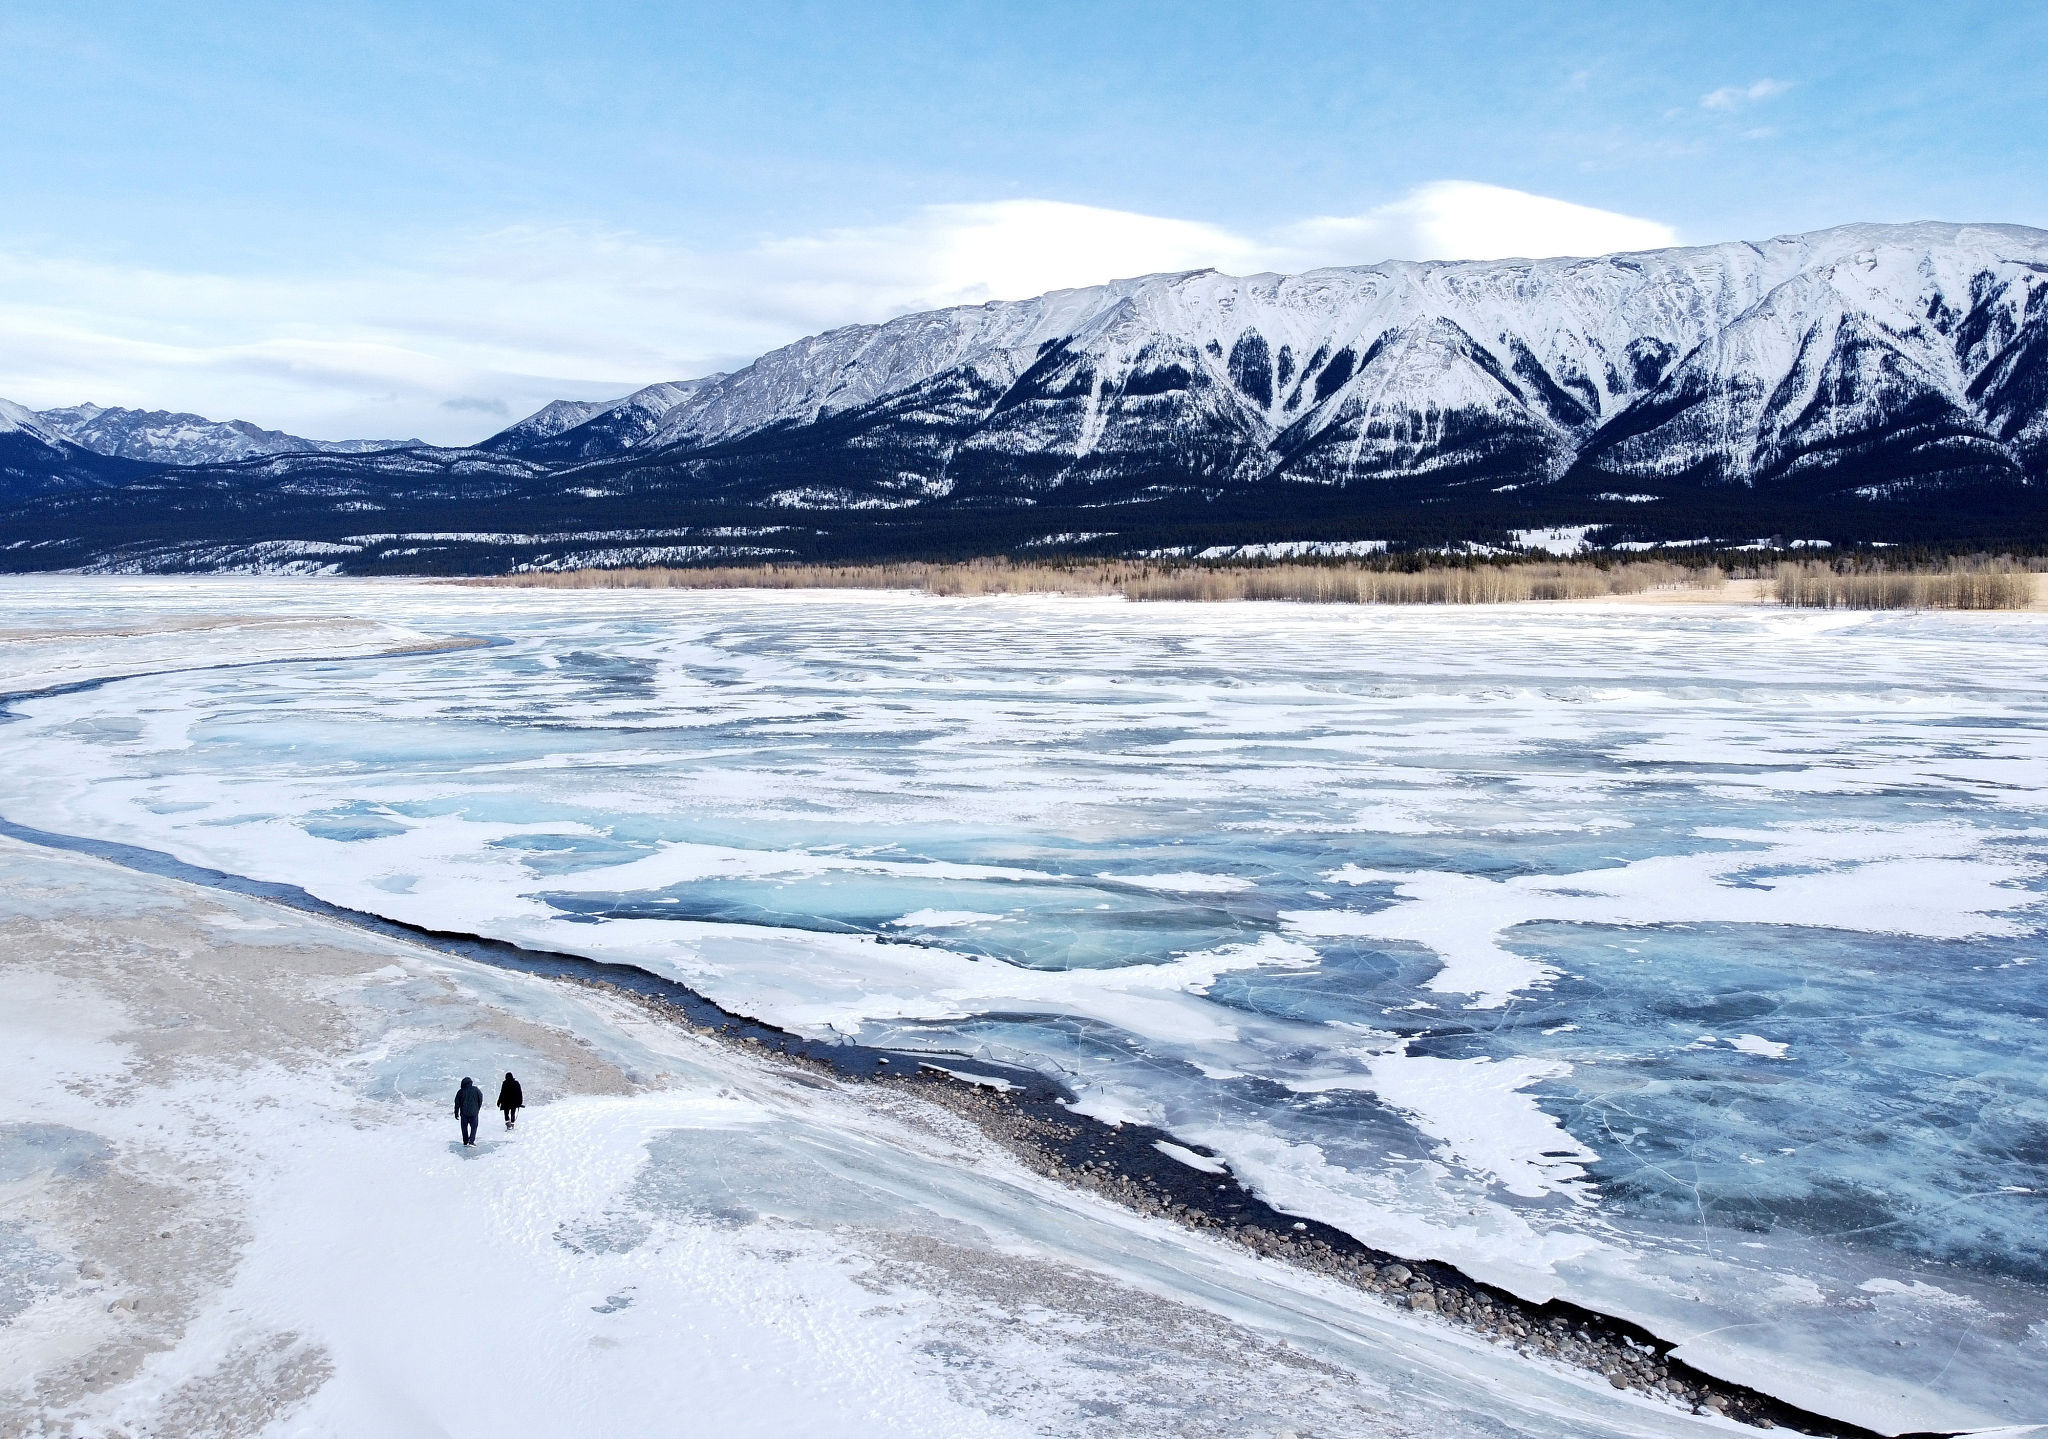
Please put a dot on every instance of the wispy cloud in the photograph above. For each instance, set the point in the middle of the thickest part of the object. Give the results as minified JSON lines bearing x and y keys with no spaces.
{"x":1741,"y":97}
{"x":495,"y":325}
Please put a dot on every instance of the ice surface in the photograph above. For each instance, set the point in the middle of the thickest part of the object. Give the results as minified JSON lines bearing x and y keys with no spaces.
{"x":1674,"y":960}
{"x":49,"y":656}
{"x":243,"y":1210}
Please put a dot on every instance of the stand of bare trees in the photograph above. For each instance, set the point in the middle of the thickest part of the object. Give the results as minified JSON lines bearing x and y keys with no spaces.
{"x":1146,"y":580}
{"x":1960,"y":585}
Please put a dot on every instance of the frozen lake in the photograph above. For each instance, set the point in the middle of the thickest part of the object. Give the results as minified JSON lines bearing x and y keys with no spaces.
{"x":1686,"y":961}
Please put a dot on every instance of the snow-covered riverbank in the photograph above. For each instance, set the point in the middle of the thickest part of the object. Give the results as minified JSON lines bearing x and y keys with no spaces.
{"x":235,"y":1201}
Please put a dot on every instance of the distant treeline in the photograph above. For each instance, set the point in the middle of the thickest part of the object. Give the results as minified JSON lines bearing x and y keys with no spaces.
{"x":1981,"y":584}
{"x":1327,"y":583}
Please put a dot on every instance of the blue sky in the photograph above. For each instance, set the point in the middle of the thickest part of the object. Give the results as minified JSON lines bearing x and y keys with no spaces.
{"x":389,"y":219}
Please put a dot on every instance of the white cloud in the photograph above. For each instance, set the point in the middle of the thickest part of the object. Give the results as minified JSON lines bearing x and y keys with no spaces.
{"x":446,"y":343}
{"x":1738,"y":97}
{"x":1007,"y":250}
{"x":1458,"y":220}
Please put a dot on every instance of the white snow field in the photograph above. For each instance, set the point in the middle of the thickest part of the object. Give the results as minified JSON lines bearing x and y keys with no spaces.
{"x":1683,"y":960}
{"x":235,"y":1205}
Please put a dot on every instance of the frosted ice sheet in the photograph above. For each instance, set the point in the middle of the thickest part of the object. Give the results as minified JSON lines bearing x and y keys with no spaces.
{"x":681,"y":1229}
{"x":1419,"y":919}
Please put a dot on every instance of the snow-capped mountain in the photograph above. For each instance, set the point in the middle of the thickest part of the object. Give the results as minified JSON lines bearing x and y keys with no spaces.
{"x":591,"y":429}
{"x":1867,"y":383}
{"x":35,"y":456}
{"x":164,"y":438}
{"x":1919,"y":347}
{"x":545,"y":423}
{"x":20,"y":420}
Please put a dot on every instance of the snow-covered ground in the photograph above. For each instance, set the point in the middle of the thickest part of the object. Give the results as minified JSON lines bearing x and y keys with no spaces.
{"x":1680,"y":959}
{"x":234,"y":1204}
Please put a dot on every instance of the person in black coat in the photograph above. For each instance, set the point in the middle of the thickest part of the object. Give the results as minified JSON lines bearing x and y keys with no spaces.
{"x":469,"y":1103}
{"x":510,"y":1099}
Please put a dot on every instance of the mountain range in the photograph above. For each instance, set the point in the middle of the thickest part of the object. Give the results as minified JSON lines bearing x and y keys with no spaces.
{"x":1865,"y":384}
{"x":163,"y":438}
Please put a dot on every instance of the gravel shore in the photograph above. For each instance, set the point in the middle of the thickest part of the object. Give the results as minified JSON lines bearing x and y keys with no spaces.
{"x":1125,"y":1165}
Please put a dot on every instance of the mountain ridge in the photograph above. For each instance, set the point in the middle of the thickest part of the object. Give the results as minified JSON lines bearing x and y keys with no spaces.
{"x":1451,"y":356}
{"x":167,"y":437}
{"x":1865,"y":383}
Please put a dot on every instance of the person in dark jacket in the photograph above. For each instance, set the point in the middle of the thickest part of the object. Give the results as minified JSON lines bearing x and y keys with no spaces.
{"x":469,"y":1103}
{"x":510,"y":1099}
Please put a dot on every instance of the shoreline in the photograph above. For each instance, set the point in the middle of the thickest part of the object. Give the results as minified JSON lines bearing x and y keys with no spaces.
{"x":1732,"y":594}
{"x":1026,"y":1113}
{"x":1562,"y":580}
